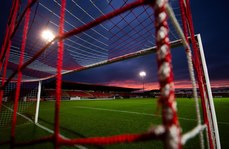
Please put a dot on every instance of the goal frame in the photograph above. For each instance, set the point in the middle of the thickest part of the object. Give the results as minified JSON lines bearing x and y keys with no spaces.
{"x":209,"y":102}
{"x":178,"y":43}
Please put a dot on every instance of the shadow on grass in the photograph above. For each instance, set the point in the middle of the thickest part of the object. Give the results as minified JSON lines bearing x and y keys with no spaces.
{"x":68,"y":131}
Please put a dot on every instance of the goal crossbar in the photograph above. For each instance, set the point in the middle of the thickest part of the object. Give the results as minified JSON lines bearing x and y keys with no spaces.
{"x":173,"y":44}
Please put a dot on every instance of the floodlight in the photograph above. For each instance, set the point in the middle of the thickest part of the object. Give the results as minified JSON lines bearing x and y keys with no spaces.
{"x":142,"y":74}
{"x":47,"y":35}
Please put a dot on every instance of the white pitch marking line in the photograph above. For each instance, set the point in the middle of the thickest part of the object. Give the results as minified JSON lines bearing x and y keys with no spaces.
{"x":225,"y":123}
{"x":139,"y":113}
{"x":43,"y":127}
{"x":129,"y":112}
{"x":25,"y":117}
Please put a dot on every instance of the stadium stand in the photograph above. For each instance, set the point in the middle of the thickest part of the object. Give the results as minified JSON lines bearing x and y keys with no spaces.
{"x":72,"y":90}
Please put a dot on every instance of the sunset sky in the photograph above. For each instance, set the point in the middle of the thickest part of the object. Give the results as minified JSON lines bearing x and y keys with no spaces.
{"x":210,"y":20}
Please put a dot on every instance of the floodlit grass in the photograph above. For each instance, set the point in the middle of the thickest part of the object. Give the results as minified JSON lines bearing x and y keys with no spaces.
{"x":90,"y":118}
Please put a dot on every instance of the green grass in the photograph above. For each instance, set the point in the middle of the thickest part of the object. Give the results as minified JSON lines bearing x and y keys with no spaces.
{"x":86,"y":118}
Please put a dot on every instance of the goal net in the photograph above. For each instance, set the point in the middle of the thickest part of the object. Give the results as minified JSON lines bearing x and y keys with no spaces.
{"x":47,"y":39}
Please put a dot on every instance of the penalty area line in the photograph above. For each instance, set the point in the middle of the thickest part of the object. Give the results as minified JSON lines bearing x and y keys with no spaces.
{"x":129,"y":112}
{"x":140,"y":113}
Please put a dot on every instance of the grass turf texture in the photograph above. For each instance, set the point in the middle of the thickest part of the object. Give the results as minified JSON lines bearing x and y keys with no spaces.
{"x":90,"y":118}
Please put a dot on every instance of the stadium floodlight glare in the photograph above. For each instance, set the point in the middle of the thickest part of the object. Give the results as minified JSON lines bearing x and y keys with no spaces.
{"x":142,"y":74}
{"x":47,"y":35}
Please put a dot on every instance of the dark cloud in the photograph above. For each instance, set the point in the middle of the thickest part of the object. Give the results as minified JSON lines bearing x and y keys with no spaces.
{"x":120,"y":71}
{"x":211,"y":19}
{"x":5,"y":10}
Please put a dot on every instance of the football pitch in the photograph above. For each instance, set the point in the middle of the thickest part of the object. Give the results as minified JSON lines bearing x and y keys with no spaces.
{"x":91,"y":118}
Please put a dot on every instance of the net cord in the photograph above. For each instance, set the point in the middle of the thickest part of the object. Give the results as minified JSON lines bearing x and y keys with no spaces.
{"x":8,"y":45}
{"x":199,"y":72}
{"x":184,"y":38}
{"x":18,"y":88}
{"x":166,"y":78}
{"x":124,"y":138}
{"x":192,"y":133}
{"x":59,"y":75}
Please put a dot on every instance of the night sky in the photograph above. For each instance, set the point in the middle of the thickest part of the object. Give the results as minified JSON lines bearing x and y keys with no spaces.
{"x":210,"y":20}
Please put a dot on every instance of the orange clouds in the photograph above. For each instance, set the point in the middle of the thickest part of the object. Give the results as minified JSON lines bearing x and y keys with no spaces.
{"x":155,"y":85}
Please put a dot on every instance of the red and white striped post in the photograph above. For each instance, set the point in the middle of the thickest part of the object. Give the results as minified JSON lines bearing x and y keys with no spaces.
{"x":166,"y":79}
